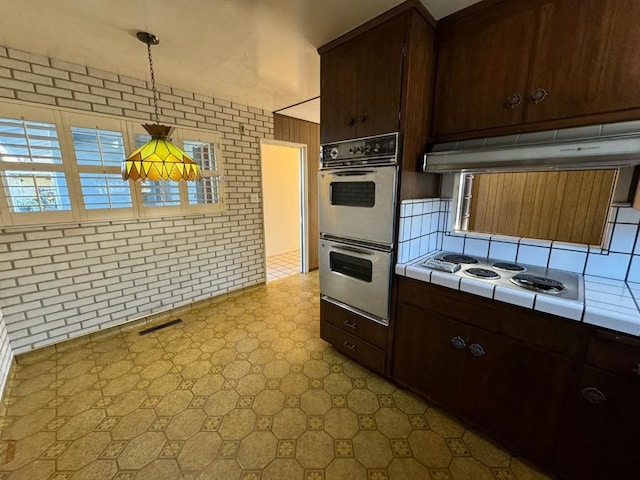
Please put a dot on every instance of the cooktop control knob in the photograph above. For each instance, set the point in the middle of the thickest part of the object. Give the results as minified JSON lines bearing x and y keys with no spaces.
{"x":376,"y":148}
{"x":352,"y":150}
{"x":333,"y":153}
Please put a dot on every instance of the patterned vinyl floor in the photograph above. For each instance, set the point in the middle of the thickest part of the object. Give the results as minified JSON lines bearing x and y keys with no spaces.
{"x":245,"y":389}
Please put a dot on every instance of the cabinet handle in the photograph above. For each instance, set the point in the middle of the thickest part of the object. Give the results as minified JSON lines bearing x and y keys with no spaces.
{"x":352,"y":326}
{"x":362,"y":118}
{"x":593,"y":396}
{"x":477,"y":350}
{"x":513,"y":101}
{"x":349,"y":346}
{"x":538,"y":95}
{"x":636,"y":370}
{"x":351,"y":121}
{"x":458,"y":343}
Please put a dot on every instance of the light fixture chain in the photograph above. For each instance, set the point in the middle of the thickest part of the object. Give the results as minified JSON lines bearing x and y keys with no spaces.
{"x":153,"y":84}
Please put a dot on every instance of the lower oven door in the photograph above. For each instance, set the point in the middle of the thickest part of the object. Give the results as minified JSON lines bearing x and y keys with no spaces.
{"x":356,"y":276}
{"x":358,"y":203}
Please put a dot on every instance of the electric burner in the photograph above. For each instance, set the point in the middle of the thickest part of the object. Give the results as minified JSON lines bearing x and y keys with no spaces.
{"x":539,"y":284}
{"x":482,"y":273}
{"x":509,"y":267}
{"x":454,"y":258}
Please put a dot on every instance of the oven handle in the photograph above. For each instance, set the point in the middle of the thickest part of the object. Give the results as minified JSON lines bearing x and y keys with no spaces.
{"x":353,"y":173}
{"x":352,"y":250}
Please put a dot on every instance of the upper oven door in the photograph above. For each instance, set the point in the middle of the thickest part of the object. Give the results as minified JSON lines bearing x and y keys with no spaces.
{"x":358,"y":203}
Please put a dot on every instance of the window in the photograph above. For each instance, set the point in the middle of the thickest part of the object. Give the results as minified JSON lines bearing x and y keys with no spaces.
{"x":57,"y":167}
{"x":205,"y":191}
{"x":99,"y":155}
{"x":568,"y":206}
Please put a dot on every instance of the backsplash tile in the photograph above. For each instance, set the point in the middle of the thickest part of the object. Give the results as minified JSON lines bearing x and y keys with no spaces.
{"x":624,"y":237}
{"x":569,"y":260}
{"x":613,"y":260}
{"x":419,"y":221}
{"x":613,"y":265}
{"x":476,"y":247}
{"x":628,"y":215}
{"x":453,"y":243}
{"x":503,"y":251}
{"x":538,"y":256}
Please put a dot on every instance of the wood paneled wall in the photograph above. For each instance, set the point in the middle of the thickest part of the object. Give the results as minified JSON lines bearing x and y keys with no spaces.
{"x":288,"y":129}
{"x":565,"y":206}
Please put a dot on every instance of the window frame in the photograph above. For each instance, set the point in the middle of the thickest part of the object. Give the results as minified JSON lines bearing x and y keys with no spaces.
{"x":64,"y":119}
{"x":212,"y":138}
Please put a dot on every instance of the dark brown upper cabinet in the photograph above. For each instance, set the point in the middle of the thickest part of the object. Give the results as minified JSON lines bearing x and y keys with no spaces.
{"x":360,"y":84}
{"x":482,"y":74}
{"x":586,"y":58}
{"x":378,"y":79}
{"x":535,"y":65}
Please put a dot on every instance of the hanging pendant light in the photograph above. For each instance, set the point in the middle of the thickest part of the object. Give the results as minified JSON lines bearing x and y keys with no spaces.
{"x":158,"y":159}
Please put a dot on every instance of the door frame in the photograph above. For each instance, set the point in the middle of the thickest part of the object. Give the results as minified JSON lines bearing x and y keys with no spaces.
{"x":303,"y":199}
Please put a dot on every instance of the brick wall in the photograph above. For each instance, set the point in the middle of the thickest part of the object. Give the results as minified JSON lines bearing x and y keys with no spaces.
{"x":6,"y":355}
{"x":59,"y":282}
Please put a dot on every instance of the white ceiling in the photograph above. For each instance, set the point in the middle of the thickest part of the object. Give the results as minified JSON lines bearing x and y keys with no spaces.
{"x":256,"y":52}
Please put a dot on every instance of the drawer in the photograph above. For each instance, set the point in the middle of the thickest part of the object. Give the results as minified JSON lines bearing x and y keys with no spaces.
{"x":354,"y":324}
{"x":354,"y":347}
{"x":615,"y":352}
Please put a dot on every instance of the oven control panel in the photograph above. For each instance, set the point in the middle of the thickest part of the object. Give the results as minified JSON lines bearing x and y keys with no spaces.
{"x":361,"y":151}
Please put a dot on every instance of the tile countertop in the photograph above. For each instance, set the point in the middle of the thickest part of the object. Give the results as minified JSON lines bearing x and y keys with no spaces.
{"x":608,"y":303}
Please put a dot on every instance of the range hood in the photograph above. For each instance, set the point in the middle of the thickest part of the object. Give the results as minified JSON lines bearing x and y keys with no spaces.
{"x":615,"y":145}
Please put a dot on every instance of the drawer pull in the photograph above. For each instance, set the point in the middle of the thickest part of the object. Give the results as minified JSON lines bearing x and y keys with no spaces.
{"x":349,"y":346}
{"x":637,"y":370}
{"x":458,"y":343}
{"x":352,"y":326}
{"x":594,"y":396}
{"x":477,"y":350}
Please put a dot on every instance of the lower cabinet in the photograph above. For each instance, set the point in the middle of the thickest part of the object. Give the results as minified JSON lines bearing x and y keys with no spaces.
{"x":600,"y":431}
{"x":507,"y":387}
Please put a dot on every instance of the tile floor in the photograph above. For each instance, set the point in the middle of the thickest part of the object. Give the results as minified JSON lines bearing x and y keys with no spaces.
{"x":243,"y":389}
{"x":283,"y":265}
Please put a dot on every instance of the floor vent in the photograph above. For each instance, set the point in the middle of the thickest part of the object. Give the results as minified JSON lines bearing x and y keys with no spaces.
{"x":158,"y":327}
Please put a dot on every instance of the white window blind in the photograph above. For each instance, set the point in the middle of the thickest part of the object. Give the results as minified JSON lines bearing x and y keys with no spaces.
{"x":203,"y":191}
{"x":59,"y":166}
{"x":99,"y":155}
{"x":31,"y":167}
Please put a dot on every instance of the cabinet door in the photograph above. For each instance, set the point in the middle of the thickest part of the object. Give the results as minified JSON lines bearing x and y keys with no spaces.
{"x":379,"y":78}
{"x":425,"y":358}
{"x":536,"y":389}
{"x":586,"y":58}
{"x":600,"y":441}
{"x":338,"y":90}
{"x":480,"y":67}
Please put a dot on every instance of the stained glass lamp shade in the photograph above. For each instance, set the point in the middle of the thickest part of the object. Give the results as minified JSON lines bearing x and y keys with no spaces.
{"x":159,"y":159}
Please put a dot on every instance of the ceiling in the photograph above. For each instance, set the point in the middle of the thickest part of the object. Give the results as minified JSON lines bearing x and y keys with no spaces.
{"x":256,"y":52}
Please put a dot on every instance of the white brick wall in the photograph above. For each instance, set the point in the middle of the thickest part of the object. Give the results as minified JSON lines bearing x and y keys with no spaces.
{"x":6,"y":355}
{"x":59,"y":282}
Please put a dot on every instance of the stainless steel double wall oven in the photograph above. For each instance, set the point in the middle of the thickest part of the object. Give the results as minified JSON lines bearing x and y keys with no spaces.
{"x":357,"y":183}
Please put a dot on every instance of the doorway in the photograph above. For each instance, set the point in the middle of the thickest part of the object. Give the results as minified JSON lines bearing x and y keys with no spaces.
{"x":283,"y":172}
